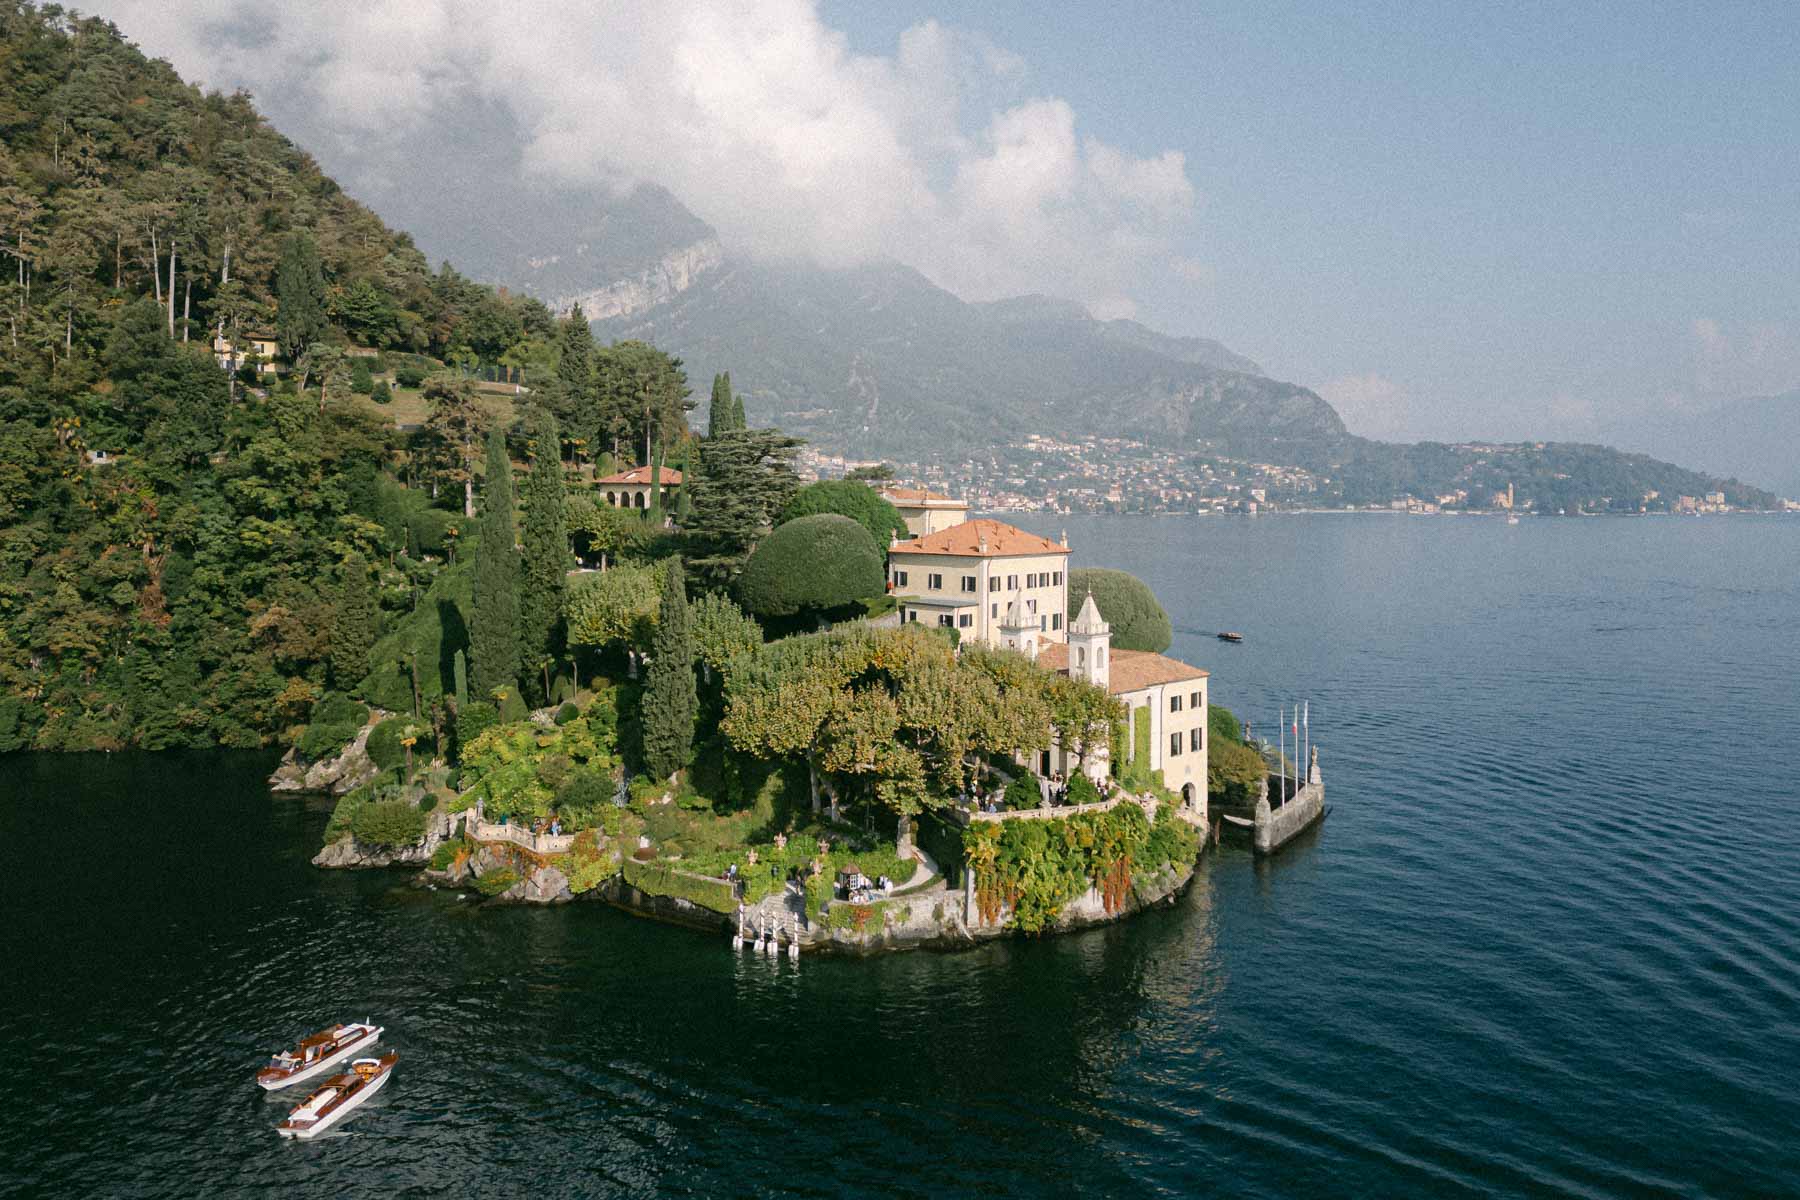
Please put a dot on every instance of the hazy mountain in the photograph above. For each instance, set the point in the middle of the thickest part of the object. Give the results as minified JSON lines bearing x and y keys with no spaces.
{"x":1756,"y":440}
{"x":877,"y":360}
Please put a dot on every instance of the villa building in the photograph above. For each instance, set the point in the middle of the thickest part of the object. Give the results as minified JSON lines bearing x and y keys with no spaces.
{"x":1162,"y":694}
{"x":924,"y":511}
{"x":990,"y":581}
{"x":631,"y":489}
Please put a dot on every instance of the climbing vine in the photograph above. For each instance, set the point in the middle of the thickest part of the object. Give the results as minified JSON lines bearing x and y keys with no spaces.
{"x":1036,"y":868}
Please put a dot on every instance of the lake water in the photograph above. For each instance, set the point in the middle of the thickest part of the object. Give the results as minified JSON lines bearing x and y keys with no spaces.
{"x":1545,"y":943}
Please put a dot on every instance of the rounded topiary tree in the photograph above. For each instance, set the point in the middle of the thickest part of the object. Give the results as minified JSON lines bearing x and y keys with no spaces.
{"x":848,"y":498}
{"x":812,"y":564}
{"x":1128,"y":605}
{"x":1022,"y":792}
{"x":1082,"y":790}
{"x":384,"y":746}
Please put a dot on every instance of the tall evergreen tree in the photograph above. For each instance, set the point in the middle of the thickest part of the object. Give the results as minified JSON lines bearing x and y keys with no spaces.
{"x":546,"y":558}
{"x":720,"y":415}
{"x":571,"y":396}
{"x":743,"y":480}
{"x":684,"y":506}
{"x":737,"y":413}
{"x":299,"y":297}
{"x":670,"y":696}
{"x":353,"y":624}
{"x":655,"y":514}
{"x":494,"y":623}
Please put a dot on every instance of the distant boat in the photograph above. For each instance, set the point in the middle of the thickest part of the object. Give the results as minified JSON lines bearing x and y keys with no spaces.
{"x":317,"y":1054}
{"x":341,"y":1095}
{"x":1231,"y":637}
{"x":1512,"y":518}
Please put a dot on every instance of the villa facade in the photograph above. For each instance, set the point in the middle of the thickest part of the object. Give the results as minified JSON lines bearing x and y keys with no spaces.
{"x":990,"y":581}
{"x":925,"y":511}
{"x":632,"y":488}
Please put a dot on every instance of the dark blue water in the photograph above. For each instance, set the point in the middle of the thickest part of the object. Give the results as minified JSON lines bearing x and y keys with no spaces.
{"x":1546,"y":943}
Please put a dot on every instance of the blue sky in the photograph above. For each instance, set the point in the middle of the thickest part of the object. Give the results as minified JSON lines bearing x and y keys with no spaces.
{"x":1465,"y":220}
{"x":1453,"y":220}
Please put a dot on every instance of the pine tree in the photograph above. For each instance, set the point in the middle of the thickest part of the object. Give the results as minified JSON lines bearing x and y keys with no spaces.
{"x":494,"y":623}
{"x":299,"y":297}
{"x":720,"y":416}
{"x":546,"y":556}
{"x":670,"y":696}
{"x":745,"y":478}
{"x":353,"y":625}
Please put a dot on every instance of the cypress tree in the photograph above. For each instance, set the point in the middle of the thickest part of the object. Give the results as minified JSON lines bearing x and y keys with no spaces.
{"x":719,"y":415}
{"x":737,"y":410}
{"x":684,"y":506}
{"x":494,"y":623}
{"x":572,"y":396}
{"x":546,"y":556}
{"x":460,"y":674}
{"x":299,"y":296}
{"x":353,"y":625}
{"x":655,"y":515}
{"x":670,"y":696}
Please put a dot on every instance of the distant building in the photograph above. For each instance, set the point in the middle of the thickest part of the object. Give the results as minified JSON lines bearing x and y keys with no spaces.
{"x":232,"y":353}
{"x":990,"y":581}
{"x":926,"y":511}
{"x":631,"y":489}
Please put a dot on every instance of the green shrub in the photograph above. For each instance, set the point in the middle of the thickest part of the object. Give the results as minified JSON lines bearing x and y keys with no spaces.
{"x":562,"y":690}
{"x":384,"y":747}
{"x":495,"y":882}
{"x":335,"y":709}
{"x":554,"y":770}
{"x":472,"y":720}
{"x":1222,"y":724}
{"x":361,"y":382}
{"x":381,"y":393}
{"x":322,"y":741}
{"x":1022,"y":792}
{"x":812,"y":564}
{"x":347,"y":807}
{"x":1082,"y":790}
{"x":585,"y":799}
{"x":428,"y":529}
{"x":409,"y":376}
{"x":512,"y":707}
{"x":567,"y":713}
{"x":445,"y":855}
{"x":388,"y":823}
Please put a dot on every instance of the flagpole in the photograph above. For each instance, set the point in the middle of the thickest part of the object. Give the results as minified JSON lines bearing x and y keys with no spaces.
{"x":1281,"y":751}
{"x":1306,"y":724}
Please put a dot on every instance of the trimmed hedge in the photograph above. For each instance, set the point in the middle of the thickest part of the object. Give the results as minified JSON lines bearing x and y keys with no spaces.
{"x":1127,"y":604}
{"x":659,"y":879}
{"x":324,"y":740}
{"x":388,"y":823}
{"x":848,"y":498}
{"x":813,"y":563}
{"x":384,"y":747}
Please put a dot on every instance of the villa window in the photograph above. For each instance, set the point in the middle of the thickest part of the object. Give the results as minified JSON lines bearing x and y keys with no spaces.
{"x":899,"y":578}
{"x":994,"y":612}
{"x":1193,"y":699}
{"x":944,"y":620}
{"x":1175,"y":703}
{"x":964,"y":620}
{"x":993,"y":583}
{"x":640,"y":499}
{"x":1056,"y":620}
{"x":1043,"y":623}
{"x":1080,"y":656}
{"x":934,"y":581}
{"x":1031,"y":607}
{"x":1056,"y":579}
{"x":969,"y":582}
{"x":1012,"y":583}
{"x":1194,"y":742}
{"x":1174,"y":744}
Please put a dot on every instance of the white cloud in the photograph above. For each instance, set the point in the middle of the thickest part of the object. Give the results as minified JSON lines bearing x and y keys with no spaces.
{"x":758,"y":116}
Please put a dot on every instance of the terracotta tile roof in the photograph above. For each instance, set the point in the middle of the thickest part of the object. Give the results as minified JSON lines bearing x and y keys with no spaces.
{"x":900,"y":495}
{"x":1001,"y":540}
{"x":642,"y":475}
{"x":1131,"y":670}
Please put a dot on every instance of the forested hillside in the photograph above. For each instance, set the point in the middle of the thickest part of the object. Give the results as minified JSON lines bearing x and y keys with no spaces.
{"x":187,"y":558}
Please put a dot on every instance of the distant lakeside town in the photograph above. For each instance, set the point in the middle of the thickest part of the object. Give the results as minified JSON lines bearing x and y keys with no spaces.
{"x":1120,"y":475}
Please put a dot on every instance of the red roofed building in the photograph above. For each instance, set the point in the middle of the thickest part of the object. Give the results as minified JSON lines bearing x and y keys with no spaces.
{"x":631,"y":489}
{"x":926,"y":511}
{"x":990,"y":581}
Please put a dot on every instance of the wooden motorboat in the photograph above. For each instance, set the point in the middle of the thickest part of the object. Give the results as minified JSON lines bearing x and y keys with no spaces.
{"x":317,"y":1054}
{"x":338,"y":1098}
{"x":1231,"y":637}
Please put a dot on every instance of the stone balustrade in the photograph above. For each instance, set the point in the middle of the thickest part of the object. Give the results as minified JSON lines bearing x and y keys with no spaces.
{"x":1056,"y":814}
{"x":519,"y":835}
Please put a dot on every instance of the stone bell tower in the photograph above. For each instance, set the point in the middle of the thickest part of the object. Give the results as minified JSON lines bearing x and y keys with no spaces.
{"x":1019,"y":629}
{"x":1090,"y":646}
